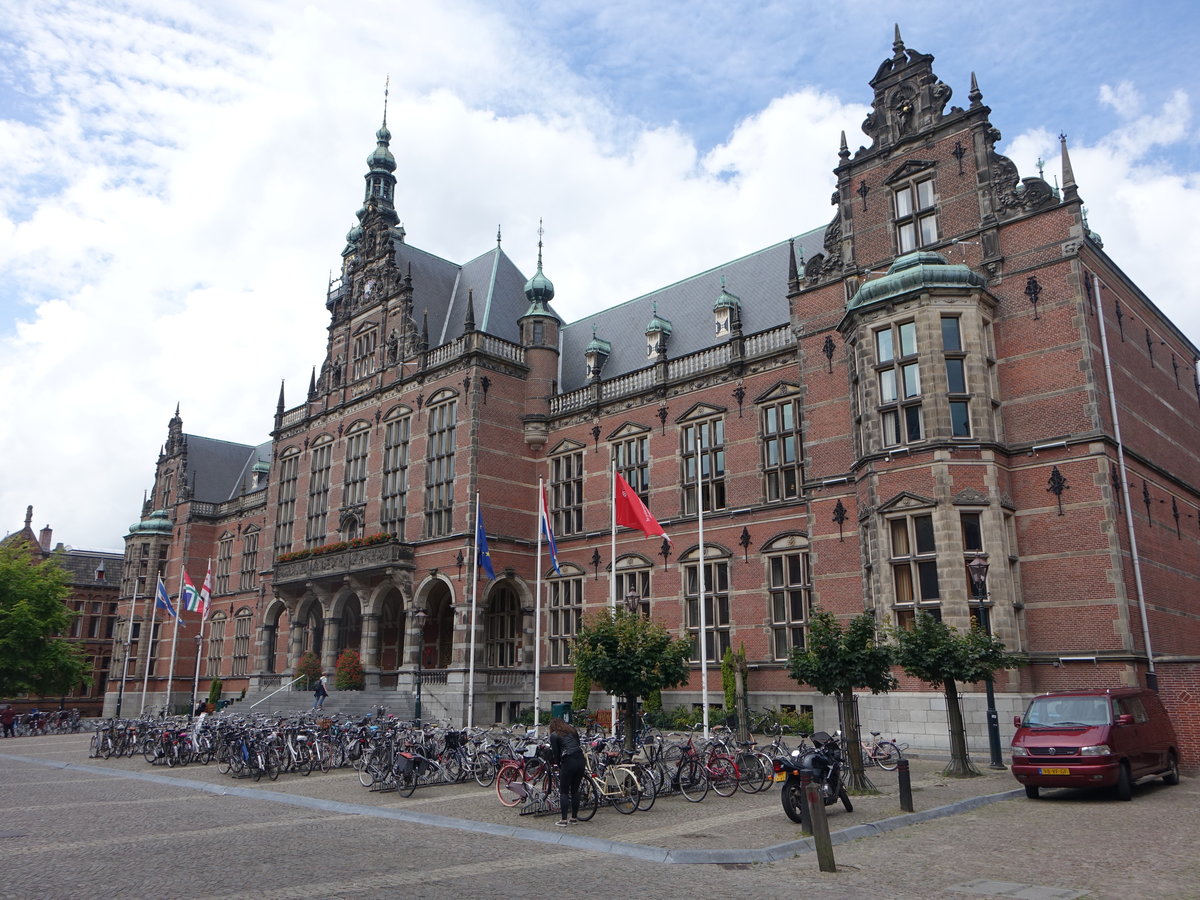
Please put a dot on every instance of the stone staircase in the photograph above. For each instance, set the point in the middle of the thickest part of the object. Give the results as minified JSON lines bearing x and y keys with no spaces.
{"x":348,"y":703}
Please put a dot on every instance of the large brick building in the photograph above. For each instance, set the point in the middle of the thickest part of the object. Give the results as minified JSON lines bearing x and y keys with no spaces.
{"x":951,"y":367}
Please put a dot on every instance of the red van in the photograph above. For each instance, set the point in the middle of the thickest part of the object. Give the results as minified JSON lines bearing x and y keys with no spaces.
{"x":1094,"y":738}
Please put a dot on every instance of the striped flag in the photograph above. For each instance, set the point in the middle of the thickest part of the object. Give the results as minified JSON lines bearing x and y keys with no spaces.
{"x":206,"y":593}
{"x":162,"y":600}
{"x":548,"y":531}
{"x":190,"y":599}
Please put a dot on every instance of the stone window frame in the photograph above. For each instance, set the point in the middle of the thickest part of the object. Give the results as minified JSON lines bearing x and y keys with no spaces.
{"x":354,"y":476}
{"x":915,"y":582}
{"x":633,"y":573}
{"x":224,"y":563}
{"x":717,"y":595}
{"x":397,"y":435}
{"x":566,"y":488}
{"x":316,"y":519}
{"x":707,"y":425}
{"x":782,"y":557}
{"x":502,"y":629}
{"x":248,"y":575}
{"x":241,"y":642}
{"x":630,"y":449}
{"x":915,"y":213}
{"x":564,"y":613}
{"x":285,"y":502}
{"x":365,"y":352}
{"x":958,"y":380}
{"x":776,"y":467}
{"x":216,"y":645}
{"x":898,"y":382}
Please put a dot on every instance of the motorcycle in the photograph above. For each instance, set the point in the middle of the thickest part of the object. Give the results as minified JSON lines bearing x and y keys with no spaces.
{"x":824,"y":765}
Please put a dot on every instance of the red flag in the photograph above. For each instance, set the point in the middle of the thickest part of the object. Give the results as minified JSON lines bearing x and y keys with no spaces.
{"x":206,"y":592}
{"x":631,"y":511}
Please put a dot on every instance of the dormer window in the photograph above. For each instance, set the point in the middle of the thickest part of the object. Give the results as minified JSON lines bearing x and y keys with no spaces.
{"x":657,"y":333}
{"x":916,"y":215}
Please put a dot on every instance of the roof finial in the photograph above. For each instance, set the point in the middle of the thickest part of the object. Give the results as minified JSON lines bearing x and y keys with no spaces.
{"x":387,"y":81}
{"x":28,"y":515}
{"x":541,"y":231}
{"x":844,"y":149}
{"x":976,"y":95}
{"x":469,"y":321}
{"x":898,"y":44}
{"x":497,"y":235}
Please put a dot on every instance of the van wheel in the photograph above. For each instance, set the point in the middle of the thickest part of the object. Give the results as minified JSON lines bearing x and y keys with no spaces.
{"x":1031,"y":791}
{"x":1124,"y":787}
{"x":1171,"y":776}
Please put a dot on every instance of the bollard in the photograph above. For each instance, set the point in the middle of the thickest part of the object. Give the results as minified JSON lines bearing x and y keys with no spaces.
{"x":805,"y":812}
{"x":820,"y":827}
{"x":906,"y":801}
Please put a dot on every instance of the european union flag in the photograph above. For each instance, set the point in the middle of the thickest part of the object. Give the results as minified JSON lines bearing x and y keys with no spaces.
{"x":483,"y":555}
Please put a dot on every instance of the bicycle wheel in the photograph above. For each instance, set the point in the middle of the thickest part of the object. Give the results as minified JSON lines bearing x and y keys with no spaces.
{"x":323,"y":754}
{"x":149,"y":751}
{"x":406,"y":782}
{"x":648,"y":788}
{"x":752,"y":772}
{"x":452,"y":770}
{"x":368,"y":774}
{"x":723,"y":775}
{"x":485,"y":769}
{"x":622,"y":790}
{"x":274,"y":761}
{"x":589,"y":798}
{"x":224,"y":758}
{"x":887,"y":755}
{"x":693,"y":782}
{"x":508,"y":775}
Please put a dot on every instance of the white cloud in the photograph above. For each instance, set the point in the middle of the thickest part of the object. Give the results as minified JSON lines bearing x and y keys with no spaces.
{"x":197,"y":167}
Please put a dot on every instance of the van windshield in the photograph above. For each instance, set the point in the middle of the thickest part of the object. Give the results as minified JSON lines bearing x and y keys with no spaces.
{"x":1053,"y":712}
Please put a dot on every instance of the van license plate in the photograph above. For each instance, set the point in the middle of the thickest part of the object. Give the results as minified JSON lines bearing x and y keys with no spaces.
{"x":1059,"y":771}
{"x":781,"y":776}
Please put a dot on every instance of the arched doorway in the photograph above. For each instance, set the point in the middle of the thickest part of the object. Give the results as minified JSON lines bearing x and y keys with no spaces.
{"x":314,"y":630}
{"x":349,"y":636}
{"x":438,"y":646}
{"x":391,"y":632}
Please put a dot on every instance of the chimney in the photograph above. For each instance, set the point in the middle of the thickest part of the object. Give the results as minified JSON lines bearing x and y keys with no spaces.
{"x":45,"y":537}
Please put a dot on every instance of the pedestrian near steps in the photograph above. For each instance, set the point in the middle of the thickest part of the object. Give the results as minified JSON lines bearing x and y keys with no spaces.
{"x":320,"y":692}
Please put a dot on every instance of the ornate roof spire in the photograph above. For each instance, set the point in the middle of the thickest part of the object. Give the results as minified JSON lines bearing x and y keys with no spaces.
{"x":469,"y":321}
{"x":844,"y":149}
{"x":898,"y":44}
{"x":539,"y":290}
{"x":793,"y":270}
{"x":1070,"y":189}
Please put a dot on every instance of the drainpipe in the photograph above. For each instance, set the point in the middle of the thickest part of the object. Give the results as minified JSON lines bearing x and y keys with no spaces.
{"x":1151,"y":674}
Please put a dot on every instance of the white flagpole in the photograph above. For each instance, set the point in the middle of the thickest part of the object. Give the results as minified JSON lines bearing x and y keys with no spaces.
{"x":474,"y":600}
{"x":537,"y":618}
{"x":149,"y":645}
{"x":612,"y":568}
{"x":200,"y":639}
{"x":703,"y":611}
{"x":174,"y":643}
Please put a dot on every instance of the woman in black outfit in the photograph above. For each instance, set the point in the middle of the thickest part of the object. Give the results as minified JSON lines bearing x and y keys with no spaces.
{"x":568,"y":753}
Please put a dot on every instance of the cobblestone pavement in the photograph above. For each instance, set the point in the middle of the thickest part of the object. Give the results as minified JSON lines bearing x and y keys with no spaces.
{"x":75,"y":827}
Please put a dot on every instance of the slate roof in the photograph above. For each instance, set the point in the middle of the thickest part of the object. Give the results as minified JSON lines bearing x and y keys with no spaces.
{"x":221,"y":470}
{"x":81,"y":565}
{"x":758,"y":279}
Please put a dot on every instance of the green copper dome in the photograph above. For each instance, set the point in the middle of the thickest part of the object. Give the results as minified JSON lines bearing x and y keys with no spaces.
{"x":382,"y":157}
{"x":158,"y":522}
{"x":539,"y":290}
{"x":916,"y":272}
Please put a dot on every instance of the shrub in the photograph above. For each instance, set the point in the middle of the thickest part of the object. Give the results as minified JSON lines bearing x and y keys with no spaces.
{"x":349,"y":671}
{"x":309,"y":667}
{"x":214,"y":692}
{"x":582,"y":690}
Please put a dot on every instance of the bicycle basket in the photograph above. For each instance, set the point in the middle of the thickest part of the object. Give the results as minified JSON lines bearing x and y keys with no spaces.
{"x":403,"y":764}
{"x":530,"y":751}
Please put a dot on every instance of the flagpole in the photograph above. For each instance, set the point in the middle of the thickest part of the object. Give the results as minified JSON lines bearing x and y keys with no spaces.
{"x":174,"y":643}
{"x":474,"y":601}
{"x":612,"y":569}
{"x":149,"y":646}
{"x":703,"y":612}
{"x":537,"y":617}
{"x":204,"y":600}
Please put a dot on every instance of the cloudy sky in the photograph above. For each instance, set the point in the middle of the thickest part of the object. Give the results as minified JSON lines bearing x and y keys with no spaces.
{"x":177,"y":178}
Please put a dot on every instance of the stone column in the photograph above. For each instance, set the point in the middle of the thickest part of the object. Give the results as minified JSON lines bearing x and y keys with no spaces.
{"x":329,"y":650}
{"x":368,"y":650}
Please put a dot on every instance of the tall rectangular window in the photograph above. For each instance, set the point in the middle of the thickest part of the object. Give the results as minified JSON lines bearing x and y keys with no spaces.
{"x":285,"y":510}
{"x":249,"y":573}
{"x":898,"y":372}
{"x":956,"y":377}
{"x":914,"y":559}
{"x":781,"y":449}
{"x":916,"y":216}
{"x":365,"y":355}
{"x":566,"y":492}
{"x":318,"y":496}
{"x":439,"y":468}
{"x":709,"y":436}
{"x":395,"y":476}
{"x":216,"y":645}
{"x":565,"y":617}
{"x":241,"y":643}
{"x":716,"y":609}
{"x":357,"y":448}
{"x":633,"y":589}
{"x":790,"y":589}
{"x":224,"y":565}
{"x":632,"y":455}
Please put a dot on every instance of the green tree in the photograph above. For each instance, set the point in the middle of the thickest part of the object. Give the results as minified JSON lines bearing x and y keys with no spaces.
{"x":840,"y":661}
{"x":630,"y":656}
{"x":582,"y":690}
{"x":33,"y":659}
{"x":942,"y":656}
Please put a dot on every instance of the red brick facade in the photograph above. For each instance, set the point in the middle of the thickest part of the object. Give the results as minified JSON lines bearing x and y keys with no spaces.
{"x":940,"y":342}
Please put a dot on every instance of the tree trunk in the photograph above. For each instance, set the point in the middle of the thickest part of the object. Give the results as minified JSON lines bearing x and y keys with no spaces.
{"x":856,"y":776}
{"x":740,"y":705}
{"x":631,"y":721}
{"x":960,"y":764}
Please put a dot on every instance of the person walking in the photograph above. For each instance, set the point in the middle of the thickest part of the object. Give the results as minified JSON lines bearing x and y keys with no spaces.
{"x":568,"y":754}
{"x":320,"y":692}
{"x":7,"y":718}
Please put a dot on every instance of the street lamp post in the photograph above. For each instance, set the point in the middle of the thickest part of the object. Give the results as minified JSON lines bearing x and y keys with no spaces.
{"x":419,"y":615}
{"x":124,"y":669}
{"x":978,"y":568}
